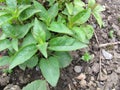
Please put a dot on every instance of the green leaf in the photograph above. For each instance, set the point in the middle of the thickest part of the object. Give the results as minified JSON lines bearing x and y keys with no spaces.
{"x":24,"y":1}
{"x":80,"y":34}
{"x":81,"y":17}
{"x":83,"y":33}
{"x":2,"y":1}
{"x":38,"y":32}
{"x":51,"y":2}
{"x":64,"y":59}
{"x":3,"y":36}
{"x":91,"y":3}
{"x":23,"y":55}
{"x":50,"y":70}
{"x":98,"y":8}
{"x":65,"y":11}
{"x":65,"y":43}
{"x":23,"y":30}
{"x":3,"y":12}
{"x":39,"y":6}
{"x":96,"y":12}
{"x":36,"y":85}
{"x":48,"y":34}
{"x":4,"y":44}
{"x":9,"y":30}
{"x":21,"y":8}
{"x":27,"y":13}
{"x":15,"y":44}
{"x":98,"y":18}
{"x":53,"y":11}
{"x":23,"y":66}
{"x":86,"y":57}
{"x":111,"y":33}
{"x":79,"y":3}
{"x":60,"y":28}
{"x":61,"y":19}
{"x":69,"y":8}
{"x":16,"y":31}
{"x":31,"y":63}
{"x":5,"y":19}
{"x":4,"y":60}
{"x":78,"y":6}
{"x":43,"y":14}
{"x":11,"y":4}
{"x":29,"y":39}
{"x":43,"y":49}
{"x":88,"y":30}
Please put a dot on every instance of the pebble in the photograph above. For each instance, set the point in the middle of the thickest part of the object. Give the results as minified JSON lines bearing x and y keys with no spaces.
{"x":103,"y":77}
{"x":104,"y":71}
{"x":92,"y":78}
{"x":12,"y":87}
{"x":109,"y":18}
{"x":98,"y":89}
{"x":82,"y":76}
{"x":77,"y":69}
{"x":83,"y":83}
{"x":107,"y":55}
{"x":95,"y":68}
{"x":115,"y":27}
{"x":91,"y":83}
{"x":118,"y":70}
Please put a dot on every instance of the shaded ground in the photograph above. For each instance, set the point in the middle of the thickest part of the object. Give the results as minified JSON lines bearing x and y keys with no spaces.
{"x":101,"y":73}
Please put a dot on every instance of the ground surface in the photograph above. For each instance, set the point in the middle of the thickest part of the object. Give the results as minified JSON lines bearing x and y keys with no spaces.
{"x":101,"y":73}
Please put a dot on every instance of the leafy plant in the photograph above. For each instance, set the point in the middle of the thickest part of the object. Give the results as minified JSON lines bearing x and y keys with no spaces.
{"x":33,"y":35}
{"x":86,"y":57}
{"x":111,"y":34}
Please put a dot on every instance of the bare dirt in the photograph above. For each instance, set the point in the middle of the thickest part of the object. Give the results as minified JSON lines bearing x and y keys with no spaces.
{"x":101,"y":73}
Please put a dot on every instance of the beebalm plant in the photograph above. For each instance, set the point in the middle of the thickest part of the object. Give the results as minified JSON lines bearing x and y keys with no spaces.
{"x":33,"y":35}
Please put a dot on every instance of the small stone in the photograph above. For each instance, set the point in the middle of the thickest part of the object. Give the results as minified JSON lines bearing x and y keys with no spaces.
{"x":115,"y":27}
{"x":104,"y":71}
{"x":83,"y":83}
{"x":91,"y":83}
{"x":118,"y":70}
{"x":12,"y":87}
{"x":77,"y":69}
{"x":113,"y":89}
{"x":81,"y":76}
{"x":98,"y":89}
{"x":103,"y":77}
{"x":94,"y":25}
{"x":107,"y":55}
{"x":95,"y":68}
{"x":113,"y":79}
{"x":92,"y":78}
{"x":99,"y":1}
{"x":109,"y":18}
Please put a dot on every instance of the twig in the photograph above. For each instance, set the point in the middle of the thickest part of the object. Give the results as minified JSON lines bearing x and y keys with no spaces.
{"x":96,"y":38}
{"x":99,"y":55}
{"x":69,"y":86}
{"x":108,"y":44}
{"x":100,"y":64}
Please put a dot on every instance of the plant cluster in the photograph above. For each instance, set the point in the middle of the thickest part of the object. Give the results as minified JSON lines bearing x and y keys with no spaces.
{"x":35,"y":35}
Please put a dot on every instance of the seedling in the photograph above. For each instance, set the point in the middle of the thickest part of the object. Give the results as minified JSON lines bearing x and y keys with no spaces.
{"x":86,"y":57}
{"x":111,"y":34}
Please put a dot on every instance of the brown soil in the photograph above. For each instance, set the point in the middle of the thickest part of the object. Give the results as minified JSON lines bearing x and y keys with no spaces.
{"x":98,"y":74}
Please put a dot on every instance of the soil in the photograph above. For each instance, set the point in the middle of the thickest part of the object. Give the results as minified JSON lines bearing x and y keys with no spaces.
{"x":101,"y":73}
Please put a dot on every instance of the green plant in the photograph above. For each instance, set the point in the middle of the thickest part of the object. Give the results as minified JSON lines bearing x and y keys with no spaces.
{"x":86,"y":57}
{"x":33,"y":35}
{"x":111,"y":33}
